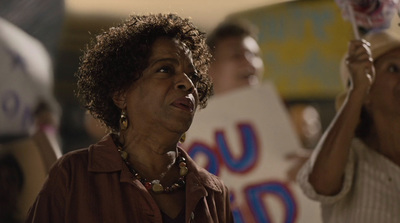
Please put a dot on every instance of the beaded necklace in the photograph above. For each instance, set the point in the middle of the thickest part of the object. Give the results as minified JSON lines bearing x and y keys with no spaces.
{"x":155,"y":185}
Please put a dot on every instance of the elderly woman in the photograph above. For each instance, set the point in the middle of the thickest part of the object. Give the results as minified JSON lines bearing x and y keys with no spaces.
{"x":144,"y":79}
{"x":355,"y":170}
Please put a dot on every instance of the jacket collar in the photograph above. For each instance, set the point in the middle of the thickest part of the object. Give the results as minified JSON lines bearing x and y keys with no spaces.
{"x":104,"y":157}
{"x":198,"y":176}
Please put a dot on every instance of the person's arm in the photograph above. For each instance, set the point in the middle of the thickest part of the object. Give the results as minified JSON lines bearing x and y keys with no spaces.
{"x":327,"y":173}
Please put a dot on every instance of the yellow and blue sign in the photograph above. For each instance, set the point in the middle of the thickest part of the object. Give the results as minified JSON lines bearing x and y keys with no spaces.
{"x":302,"y":43}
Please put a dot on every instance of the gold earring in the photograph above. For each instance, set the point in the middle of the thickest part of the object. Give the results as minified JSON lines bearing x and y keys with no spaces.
{"x":123,"y":121}
{"x":183,"y":138}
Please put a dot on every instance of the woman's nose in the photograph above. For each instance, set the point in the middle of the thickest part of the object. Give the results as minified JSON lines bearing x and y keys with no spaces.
{"x":184,"y":82}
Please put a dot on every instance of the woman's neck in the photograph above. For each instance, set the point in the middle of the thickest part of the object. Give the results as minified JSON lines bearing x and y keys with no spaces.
{"x":150,"y":155}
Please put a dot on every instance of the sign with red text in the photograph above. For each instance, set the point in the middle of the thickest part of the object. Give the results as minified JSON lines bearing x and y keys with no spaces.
{"x":244,"y":138}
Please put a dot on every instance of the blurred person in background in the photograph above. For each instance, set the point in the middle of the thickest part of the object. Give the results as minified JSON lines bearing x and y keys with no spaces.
{"x":144,"y":79}
{"x":26,"y":81}
{"x":28,"y":110}
{"x":307,"y":123}
{"x":30,"y":37}
{"x":237,"y":64}
{"x":236,"y":61}
{"x":29,"y":113}
{"x":355,"y":170}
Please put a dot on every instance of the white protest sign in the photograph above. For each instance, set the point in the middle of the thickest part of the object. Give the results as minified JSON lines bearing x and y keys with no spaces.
{"x":243,"y":137}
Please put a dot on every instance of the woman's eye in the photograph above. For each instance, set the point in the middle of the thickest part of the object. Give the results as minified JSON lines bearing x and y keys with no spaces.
{"x":393,"y":68}
{"x":165,"y":69}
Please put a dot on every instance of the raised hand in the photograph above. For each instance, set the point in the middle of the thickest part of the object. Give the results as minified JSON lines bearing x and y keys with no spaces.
{"x":360,"y":64}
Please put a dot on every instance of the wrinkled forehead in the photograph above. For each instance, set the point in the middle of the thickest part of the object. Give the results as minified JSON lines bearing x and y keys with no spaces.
{"x":165,"y":48}
{"x":171,"y":46}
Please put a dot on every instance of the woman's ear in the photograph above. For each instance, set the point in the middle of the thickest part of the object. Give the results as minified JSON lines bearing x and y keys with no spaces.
{"x":119,"y":99}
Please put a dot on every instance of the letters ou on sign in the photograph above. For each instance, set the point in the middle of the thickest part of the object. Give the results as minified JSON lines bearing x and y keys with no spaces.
{"x":244,"y":142}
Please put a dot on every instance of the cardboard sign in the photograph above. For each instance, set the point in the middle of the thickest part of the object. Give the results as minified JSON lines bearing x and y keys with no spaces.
{"x":243,"y":137}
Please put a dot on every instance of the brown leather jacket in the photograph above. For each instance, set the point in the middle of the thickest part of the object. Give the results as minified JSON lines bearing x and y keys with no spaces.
{"x":94,"y":185}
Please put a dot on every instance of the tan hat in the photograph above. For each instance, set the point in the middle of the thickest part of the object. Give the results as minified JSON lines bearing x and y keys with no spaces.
{"x":381,"y":42}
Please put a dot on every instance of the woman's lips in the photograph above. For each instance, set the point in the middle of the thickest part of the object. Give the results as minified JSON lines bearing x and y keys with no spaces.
{"x":185,"y":103}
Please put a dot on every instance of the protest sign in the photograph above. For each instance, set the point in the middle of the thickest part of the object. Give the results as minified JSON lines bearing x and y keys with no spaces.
{"x":243,"y":137}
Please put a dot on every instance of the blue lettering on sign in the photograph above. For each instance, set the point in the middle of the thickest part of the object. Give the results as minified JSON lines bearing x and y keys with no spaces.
{"x":14,"y":110}
{"x":237,"y":215}
{"x":10,"y":104}
{"x":213,"y":162}
{"x":255,"y":193}
{"x":249,"y":150}
{"x":219,"y":155}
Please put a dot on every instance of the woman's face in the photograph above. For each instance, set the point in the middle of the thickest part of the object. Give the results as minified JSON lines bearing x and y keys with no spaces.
{"x":237,"y":64}
{"x":385,"y":92}
{"x":165,"y":97}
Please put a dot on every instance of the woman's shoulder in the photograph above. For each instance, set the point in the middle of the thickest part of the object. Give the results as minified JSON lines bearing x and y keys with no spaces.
{"x":74,"y":155}
{"x":70,"y":162}
{"x":205,"y":177}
